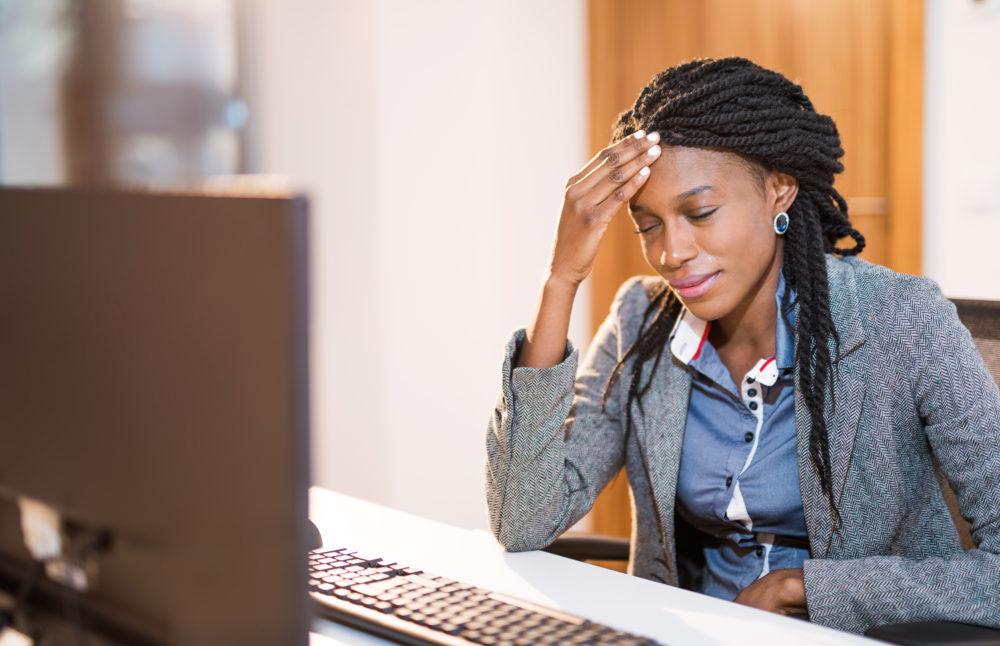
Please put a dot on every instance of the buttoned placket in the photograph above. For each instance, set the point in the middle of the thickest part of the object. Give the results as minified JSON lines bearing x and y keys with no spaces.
{"x":764,"y":373}
{"x":687,"y":342}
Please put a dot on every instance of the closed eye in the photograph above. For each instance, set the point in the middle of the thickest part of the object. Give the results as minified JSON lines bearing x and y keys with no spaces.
{"x":702,"y":216}
{"x":692,"y":216}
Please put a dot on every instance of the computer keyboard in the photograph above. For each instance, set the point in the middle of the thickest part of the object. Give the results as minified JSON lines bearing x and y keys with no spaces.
{"x":409,"y":606}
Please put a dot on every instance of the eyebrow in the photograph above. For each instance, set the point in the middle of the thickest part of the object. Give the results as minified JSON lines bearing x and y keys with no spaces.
{"x":677,"y":200}
{"x":692,"y":192}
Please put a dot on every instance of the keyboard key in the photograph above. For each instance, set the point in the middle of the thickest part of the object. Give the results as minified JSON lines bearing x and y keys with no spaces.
{"x":448,"y":606}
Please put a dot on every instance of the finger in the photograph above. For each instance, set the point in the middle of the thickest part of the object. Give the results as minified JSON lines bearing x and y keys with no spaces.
{"x":613,"y":156}
{"x":621,"y":193}
{"x":616,"y":178}
{"x":614,"y":159}
{"x":615,"y":151}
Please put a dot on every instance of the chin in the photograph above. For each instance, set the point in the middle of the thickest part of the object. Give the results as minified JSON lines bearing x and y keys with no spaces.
{"x":706,"y":308}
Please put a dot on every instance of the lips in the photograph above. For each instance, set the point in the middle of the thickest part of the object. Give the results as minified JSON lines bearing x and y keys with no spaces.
{"x":694,"y":286}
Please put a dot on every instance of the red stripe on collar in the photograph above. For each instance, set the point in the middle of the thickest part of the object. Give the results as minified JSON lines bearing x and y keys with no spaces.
{"x":704,"y":337}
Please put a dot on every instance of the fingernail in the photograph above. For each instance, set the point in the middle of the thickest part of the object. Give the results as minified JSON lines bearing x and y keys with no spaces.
{"x":653,"y":152}
{"x":653,"y":137}
{"x":639,"y":135}
{"x":644,"y":171}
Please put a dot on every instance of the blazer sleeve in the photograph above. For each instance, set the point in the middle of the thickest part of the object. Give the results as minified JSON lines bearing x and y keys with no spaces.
{"x":550,"y":446}
{"x":959,"y":405}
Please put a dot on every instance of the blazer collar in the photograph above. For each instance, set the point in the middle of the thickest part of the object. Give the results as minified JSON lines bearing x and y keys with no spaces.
{"x":659,"y":433}
{"x":844,"y":306}
{"x":842,"y":415}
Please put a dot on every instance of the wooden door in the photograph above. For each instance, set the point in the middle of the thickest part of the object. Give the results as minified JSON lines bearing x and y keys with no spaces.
{"x":860,"y":61}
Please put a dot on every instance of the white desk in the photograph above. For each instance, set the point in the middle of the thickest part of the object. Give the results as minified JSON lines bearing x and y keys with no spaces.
{"x":670,"y":615}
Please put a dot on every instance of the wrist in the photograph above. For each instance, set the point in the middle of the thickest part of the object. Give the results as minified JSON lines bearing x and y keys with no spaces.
{"x":794,"y":587}
{"x":559,"y":283}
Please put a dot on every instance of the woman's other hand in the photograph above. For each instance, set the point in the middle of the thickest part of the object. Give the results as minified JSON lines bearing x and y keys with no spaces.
{"x":781,"y":591}
{"x":592,"y":197}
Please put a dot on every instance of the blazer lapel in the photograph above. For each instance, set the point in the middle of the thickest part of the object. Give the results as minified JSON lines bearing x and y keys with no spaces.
{"x":842,"y":415}
{"x":660,"y":434}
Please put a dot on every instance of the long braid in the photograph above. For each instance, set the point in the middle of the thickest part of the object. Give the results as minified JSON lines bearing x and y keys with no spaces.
{"x":649,"y":344}
{"x":733,"y":104}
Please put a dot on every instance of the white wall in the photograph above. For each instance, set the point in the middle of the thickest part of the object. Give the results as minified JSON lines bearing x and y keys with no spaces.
{"x":434,"y":138}
{"x":34,"y":48}
{"x":962,"y":147}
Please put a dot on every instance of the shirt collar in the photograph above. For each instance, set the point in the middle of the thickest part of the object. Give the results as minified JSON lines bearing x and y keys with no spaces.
{"x":690,"y":333}
{"x":784,"y":339}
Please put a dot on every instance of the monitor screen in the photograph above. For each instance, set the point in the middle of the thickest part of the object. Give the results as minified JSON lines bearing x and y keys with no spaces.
{"x":154,"y":394}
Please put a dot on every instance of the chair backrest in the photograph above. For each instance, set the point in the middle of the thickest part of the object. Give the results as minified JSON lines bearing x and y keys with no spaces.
{"x":983,"y":320}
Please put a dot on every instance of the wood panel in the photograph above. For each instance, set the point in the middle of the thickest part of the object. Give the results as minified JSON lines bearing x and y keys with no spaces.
{"x":906,"y":89}
{"x":858,"y":61}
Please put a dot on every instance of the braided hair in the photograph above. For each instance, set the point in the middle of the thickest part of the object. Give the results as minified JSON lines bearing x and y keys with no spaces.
{"x":734,"y":105}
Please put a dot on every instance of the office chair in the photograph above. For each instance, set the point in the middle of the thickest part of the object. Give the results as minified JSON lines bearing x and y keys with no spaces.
{"x":982,"y":318}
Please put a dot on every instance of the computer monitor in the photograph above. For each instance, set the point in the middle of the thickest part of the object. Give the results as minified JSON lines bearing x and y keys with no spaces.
{"x":153,"y":392}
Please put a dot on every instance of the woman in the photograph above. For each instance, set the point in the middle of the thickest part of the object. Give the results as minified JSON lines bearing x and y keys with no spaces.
{"x":776,"y":407}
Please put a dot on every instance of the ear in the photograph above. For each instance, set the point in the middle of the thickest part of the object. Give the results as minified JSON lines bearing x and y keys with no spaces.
{"x":781,"y":190}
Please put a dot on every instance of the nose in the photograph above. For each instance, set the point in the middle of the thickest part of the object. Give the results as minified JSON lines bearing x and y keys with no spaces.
{"x":678,"y":246}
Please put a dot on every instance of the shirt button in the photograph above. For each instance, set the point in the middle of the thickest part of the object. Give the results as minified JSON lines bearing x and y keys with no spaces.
{"x":750,"y":380}
{"x":752,"y":392}
{"x":748,"y":437}
{"x":729,"y":481}
{"x":760,"y":551}
{"x":752,"y":405}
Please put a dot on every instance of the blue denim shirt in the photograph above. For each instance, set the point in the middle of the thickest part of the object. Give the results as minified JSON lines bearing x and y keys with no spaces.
{"x":738,"y":482}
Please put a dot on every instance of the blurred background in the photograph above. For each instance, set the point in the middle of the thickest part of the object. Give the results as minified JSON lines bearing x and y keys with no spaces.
{"x":434,"y":139}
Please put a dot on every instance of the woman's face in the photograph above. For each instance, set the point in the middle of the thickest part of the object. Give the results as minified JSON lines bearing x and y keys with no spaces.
{"x":706,"y":223}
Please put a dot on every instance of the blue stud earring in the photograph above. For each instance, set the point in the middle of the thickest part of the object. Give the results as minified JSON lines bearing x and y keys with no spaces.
{"x":781,"y":223}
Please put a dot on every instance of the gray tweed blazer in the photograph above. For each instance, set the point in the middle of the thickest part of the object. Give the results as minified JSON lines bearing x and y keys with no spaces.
{"x":908,"y":384}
